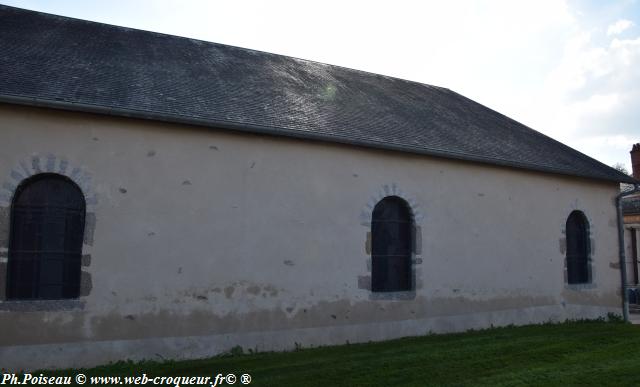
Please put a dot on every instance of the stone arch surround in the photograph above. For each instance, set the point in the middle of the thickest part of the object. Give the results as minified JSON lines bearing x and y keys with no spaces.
{"x":21,"y":171}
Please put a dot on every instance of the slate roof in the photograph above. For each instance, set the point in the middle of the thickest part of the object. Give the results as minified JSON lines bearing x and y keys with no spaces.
{"x":60,"y":62}
{"x":631,"y":205}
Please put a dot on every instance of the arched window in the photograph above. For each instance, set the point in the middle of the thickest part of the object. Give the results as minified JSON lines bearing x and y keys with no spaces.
{"x":46,"y":235}
{"x":391,"y":245}
{"x":577,"y":232}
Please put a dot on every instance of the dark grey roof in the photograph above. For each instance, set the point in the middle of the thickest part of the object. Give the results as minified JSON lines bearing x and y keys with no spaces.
{"x":60,"y":62}
{"x":631,"y":205}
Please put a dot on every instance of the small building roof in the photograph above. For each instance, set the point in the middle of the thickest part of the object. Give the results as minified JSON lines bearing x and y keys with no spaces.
{"x":66,"y":63}
{"x":631,"y":205}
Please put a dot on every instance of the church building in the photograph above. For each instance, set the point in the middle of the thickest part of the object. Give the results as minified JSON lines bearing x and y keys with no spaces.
{"x":169,"y":198}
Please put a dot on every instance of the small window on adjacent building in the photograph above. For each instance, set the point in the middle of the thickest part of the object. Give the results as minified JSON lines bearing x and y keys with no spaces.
{"x":391,"y":245}
{"x":46,"y":236}
{"x":577,"y":232}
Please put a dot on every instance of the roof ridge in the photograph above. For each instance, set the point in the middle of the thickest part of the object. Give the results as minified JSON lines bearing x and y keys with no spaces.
{"x":225,"y":45}
{"x":129,"y":72}
{"x":538,"y":133}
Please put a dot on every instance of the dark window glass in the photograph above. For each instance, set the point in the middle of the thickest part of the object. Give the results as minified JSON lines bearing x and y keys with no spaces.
{"x":577,"y":248}
{"x":391,"y":246}
{"x":45,"y":247}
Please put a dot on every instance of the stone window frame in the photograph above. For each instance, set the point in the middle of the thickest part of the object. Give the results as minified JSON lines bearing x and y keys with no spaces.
{"x":590,"y":284}
{"x":364,"y":281}
{"x":46,"y":192}
{"x":25,"y":169}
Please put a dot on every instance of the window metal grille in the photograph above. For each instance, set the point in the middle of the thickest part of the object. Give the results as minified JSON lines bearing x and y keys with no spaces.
{"x":46,"y":236}
{"x":577,"y":248}
{"x":391,"y":246}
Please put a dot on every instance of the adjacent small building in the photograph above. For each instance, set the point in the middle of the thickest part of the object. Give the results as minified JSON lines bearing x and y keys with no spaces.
{"x":164,"y":197}
{"x":631,"y":216}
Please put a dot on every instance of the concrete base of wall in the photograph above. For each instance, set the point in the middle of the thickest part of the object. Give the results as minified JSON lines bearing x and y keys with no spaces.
{"x":92,"y":353}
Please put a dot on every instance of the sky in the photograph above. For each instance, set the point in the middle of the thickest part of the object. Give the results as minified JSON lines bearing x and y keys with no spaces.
{"x":567,"y":68}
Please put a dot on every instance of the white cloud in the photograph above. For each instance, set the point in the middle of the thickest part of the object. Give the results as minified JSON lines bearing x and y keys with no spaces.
{"x":597,"y":104}
{"x":591,"y":100}
{"x":619,"y":27}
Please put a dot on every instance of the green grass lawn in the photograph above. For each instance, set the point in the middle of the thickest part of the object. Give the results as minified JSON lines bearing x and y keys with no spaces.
{"x":590,"y":353}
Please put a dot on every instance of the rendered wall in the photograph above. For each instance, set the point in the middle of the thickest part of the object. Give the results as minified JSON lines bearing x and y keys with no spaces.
{"x":199,"y":240}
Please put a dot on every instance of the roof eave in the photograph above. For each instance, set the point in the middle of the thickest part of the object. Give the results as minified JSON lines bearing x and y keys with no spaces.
{"x":252,"y":128}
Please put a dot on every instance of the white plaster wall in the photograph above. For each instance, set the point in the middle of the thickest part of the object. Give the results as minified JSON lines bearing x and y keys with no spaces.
{"x":205,"y":239}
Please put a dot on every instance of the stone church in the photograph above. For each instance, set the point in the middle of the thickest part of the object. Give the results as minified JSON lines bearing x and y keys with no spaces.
{"x":164,"y":197}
